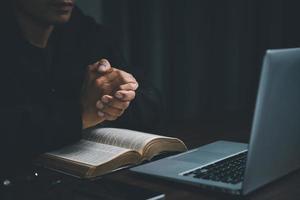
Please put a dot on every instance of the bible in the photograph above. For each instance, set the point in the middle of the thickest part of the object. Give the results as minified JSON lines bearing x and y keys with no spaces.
{"x":104,"y":150}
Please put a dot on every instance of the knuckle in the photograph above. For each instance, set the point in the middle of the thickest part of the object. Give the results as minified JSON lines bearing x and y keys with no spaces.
{"x":118,"y":73}
{"x":131,"y":85}
{"x":129,"y":75}
{"x":98,"y":82}
{"x":105,"y":86}
{"x":133,"y":94}
{"x":115,"y":75}
{"x":123,"y":79}
{"x":122,"y":87}
{"x":134,"y":86}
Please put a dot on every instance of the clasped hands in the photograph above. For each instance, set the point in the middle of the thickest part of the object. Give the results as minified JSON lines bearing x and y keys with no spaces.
{"x":106,"y":93}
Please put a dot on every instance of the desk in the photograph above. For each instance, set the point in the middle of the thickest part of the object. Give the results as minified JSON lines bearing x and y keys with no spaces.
{"x":285,"y":188}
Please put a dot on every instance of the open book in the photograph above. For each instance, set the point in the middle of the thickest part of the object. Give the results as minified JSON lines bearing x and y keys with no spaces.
{"x":106,"y":149}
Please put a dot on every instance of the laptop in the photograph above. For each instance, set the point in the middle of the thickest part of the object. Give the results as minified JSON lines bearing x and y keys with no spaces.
{"x":273,"y":150}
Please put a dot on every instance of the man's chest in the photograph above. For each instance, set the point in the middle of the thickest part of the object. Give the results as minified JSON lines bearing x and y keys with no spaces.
{"x":35,"y":77}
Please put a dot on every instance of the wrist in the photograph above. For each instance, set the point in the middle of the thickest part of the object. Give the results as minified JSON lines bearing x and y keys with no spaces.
{"x":89,"y":121}
{"x":86,"y":122}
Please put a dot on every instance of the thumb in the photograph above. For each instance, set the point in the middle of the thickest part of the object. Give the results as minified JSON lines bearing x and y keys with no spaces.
{"x":104,"y":66}
{"x":101,"y":66}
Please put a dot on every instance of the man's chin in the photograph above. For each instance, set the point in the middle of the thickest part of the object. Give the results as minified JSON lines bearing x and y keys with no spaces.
{"x":59,"y":19}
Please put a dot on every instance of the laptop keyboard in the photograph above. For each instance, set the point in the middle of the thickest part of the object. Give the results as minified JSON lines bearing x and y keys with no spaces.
{"x":230,"y":170}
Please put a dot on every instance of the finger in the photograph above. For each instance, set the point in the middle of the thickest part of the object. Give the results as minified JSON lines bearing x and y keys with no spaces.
{"x":101,"y":114}
{"x":109,"y":85}
{"x":108,"y":78}
{"x":100,"y":66}
{"x":112,"y":102}
{"x":112,"y":81}
{"x":104,"y":66}
{"x":129,"y":86}
{"x":121,"y":76}
{"x":125,"y":95}
{"x":109,"y":117}
{"x":114,"y":112}
{"x":106,"y":99}
{"x":111,"y":113}
{"x":99,"y":105}
{"x":106,"y":86}
{"x":122,"y":105}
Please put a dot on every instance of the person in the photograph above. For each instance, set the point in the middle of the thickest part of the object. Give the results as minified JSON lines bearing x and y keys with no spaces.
{"x":62,"y":73}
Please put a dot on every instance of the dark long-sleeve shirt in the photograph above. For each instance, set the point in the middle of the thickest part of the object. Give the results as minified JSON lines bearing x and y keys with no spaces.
{"x":40,"y":89}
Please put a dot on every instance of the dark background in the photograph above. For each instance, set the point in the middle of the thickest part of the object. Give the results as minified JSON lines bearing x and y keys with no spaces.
{"x":204,"y":55}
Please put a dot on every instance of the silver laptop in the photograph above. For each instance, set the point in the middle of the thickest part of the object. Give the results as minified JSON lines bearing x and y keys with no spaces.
{"x":274,"y":148}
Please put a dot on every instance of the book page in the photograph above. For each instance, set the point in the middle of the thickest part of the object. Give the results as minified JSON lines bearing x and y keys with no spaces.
{"x":121,"y":137}
{"x":88,"y":152}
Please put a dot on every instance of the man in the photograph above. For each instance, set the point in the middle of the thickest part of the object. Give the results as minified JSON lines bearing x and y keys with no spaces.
{"x":61,"y":73}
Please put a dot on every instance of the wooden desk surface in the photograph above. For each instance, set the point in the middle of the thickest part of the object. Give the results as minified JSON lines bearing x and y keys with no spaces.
{"x":283,"y":189}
